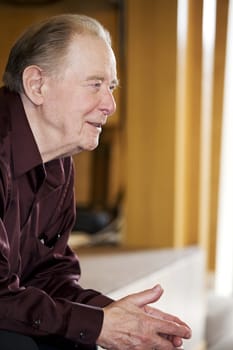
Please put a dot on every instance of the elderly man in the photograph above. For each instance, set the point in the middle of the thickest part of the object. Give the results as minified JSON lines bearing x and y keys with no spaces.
{"x":57,"y":95}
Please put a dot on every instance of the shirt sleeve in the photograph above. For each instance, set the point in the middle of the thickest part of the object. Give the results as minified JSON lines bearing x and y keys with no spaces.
{"x":50,"y":299}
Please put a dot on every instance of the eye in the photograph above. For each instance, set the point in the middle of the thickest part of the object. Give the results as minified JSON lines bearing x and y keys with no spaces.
{"x":114,"y":84}
{"x":112,"y":87}
{"x":96,"y":84}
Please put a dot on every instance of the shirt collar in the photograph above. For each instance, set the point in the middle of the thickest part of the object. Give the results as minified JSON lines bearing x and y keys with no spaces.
{"x":25,"y":152}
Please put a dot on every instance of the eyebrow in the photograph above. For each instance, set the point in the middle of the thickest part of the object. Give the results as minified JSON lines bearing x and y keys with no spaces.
{"x":95,"y":77}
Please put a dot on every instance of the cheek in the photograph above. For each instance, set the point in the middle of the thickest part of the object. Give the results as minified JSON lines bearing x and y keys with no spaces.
{"x":86,"y":102}
{"x":76,"y":109}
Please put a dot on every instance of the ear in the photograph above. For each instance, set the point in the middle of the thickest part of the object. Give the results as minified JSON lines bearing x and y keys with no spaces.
{"x":33,"y":83}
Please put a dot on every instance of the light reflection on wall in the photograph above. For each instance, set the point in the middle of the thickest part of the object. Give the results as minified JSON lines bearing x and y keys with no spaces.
{"x":224,"y":268}
{"x":208,"y":48}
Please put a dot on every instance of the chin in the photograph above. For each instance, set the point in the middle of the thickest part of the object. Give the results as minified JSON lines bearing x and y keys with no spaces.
{"x":91,"y":146}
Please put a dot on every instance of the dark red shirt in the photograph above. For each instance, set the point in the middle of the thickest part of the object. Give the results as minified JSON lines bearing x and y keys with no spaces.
{"x":39,"y":273}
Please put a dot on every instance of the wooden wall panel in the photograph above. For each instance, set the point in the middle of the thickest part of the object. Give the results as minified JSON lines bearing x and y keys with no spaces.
{"x":164,"y":180}
{"x":151,"y":93}
{"x":187,"y":145}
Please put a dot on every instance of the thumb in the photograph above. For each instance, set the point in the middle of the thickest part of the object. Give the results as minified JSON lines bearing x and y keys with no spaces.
{"x":147,"y":296}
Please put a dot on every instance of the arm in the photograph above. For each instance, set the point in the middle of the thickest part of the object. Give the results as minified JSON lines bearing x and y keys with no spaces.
{"x":41,"y":295}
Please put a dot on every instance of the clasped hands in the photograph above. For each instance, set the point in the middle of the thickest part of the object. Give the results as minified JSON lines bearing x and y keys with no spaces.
{"x":131,"y":323}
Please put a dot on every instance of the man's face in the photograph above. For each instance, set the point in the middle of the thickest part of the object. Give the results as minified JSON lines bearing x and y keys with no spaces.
{"x":80,"y":98}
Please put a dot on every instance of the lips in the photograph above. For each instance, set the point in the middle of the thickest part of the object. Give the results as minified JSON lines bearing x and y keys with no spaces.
{"x":96,"y":125}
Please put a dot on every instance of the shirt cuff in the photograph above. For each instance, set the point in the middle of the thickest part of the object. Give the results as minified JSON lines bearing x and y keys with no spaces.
{"x":85,"y":323}
{"x":100,"y":300}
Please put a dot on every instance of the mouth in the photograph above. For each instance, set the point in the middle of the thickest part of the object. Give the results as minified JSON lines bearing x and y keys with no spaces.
{"x":96,"y":125}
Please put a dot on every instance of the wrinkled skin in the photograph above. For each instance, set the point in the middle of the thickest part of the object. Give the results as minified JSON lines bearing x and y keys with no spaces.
{"x":130,"y":323}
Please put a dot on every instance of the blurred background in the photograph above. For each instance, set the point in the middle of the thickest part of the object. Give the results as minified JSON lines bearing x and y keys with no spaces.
{"x":163,"y":172}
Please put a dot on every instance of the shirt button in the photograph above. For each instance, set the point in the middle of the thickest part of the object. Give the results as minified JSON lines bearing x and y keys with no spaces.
{"x":81,"y":335}
{"x":36,"y":324}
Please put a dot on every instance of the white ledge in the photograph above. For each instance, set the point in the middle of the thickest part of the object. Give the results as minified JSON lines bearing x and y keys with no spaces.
{"x":181,"y":272}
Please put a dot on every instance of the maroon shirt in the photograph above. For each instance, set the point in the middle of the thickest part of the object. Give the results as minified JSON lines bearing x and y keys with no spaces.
{"x":39,"y":273}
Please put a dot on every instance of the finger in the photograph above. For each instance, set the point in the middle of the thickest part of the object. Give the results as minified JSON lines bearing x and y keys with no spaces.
{"x":167,"y":343}
{"x":173,"y":318}
{"x":165,"y":316}
{"x":176,"y":341}
{"x":174,"y":329}
{"x":147,"y":296}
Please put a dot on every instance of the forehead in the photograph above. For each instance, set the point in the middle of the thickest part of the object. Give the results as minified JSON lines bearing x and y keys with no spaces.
{"x":92,"y":54}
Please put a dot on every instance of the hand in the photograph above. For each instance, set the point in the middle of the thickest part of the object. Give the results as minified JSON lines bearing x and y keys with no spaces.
{"x":177,"y":341}
{"x":130,"y":323}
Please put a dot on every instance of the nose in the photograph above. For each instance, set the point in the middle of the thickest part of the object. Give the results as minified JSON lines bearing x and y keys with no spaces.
{"x":108,"y":103}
